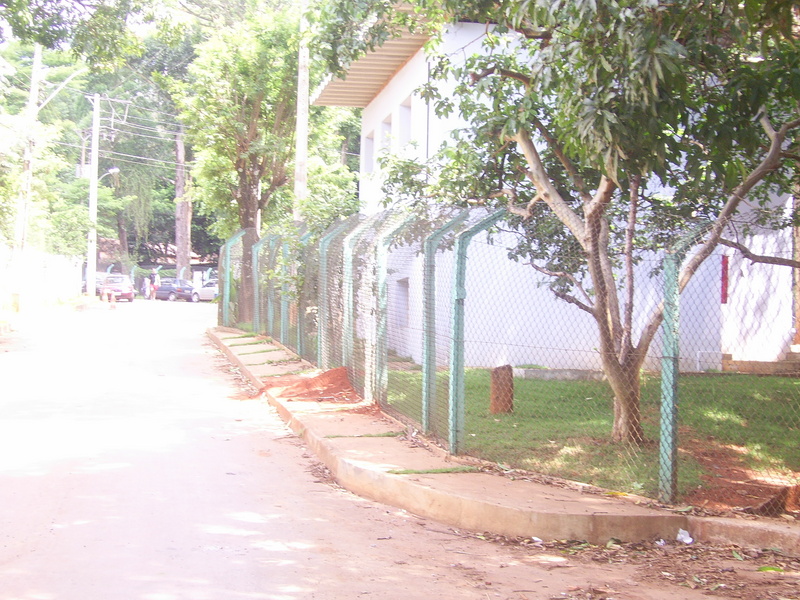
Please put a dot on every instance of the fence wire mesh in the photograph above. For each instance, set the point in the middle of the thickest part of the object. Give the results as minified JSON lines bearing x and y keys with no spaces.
{"x":232,"y":264}
{"x":443,"y":321}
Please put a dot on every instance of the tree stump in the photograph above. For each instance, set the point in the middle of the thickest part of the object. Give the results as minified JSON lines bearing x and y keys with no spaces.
{"x":786,"y":500}
{"x":501,"y":395}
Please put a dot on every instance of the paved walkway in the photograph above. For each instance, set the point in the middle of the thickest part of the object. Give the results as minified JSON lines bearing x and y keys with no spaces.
{"x":345,"y":440}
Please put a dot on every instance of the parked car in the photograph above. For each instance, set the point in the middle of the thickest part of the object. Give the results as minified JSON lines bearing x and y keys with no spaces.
{"x":98,"y":283}
{"x":177,"y":289}
{"x":209,"y":291}
{"x":119,"y":285}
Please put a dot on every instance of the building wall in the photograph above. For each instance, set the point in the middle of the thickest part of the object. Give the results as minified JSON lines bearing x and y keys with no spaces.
{"x":512,"y":317}
{"x":400,"y":122}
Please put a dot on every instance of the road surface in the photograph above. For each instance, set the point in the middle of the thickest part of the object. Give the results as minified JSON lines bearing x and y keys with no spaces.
{"x":134,"y":465}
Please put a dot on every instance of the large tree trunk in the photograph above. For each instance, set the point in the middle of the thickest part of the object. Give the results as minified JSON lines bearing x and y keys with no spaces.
{"x":248,"y":202}
{"x":122,"y":233}
{"x":183,"y":212}
{"x":625,"y":383}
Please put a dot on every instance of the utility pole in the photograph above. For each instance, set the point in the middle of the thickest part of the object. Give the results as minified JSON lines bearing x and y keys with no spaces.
{"x":301,"y":131}
{"x":183,"y":210}
{"x":91,"y":250}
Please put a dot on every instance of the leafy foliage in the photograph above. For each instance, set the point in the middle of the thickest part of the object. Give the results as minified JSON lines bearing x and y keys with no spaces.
{"x":98,"y":32}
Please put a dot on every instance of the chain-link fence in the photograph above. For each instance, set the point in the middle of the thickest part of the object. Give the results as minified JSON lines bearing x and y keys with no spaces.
{"x":447,"y":321}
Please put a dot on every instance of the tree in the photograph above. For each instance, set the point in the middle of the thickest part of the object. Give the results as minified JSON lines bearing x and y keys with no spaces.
{"x":608,"y":128}
{"x":238,"y":105}
{"x":163,"y":64}
{"x":98,"y":32}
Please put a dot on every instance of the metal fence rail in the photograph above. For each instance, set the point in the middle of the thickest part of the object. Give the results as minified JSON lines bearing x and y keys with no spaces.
{"x":435,"y":322}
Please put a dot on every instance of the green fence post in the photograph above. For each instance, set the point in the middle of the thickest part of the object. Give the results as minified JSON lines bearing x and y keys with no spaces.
{"x":668,"y":446}
{"x":323,"y":318}
{"x":273,"y":241}
{"x":456,"y":408}
{"x":285,"y":295}
{"x":381,"y":382}
{"x":226,"y":288}
{"x":257,"y":283}
{"x":301,"y":314}
{"x":349,"y":318}
{"x":430,"y":246}
{"x":670,"y":365}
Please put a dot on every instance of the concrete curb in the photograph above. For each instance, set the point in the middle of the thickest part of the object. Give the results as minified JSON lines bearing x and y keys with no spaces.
{"x":485,"y":503}
{"x":418,"y":494}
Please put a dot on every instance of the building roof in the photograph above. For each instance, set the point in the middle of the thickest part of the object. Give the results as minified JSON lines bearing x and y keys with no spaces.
{"x":367,"y":76}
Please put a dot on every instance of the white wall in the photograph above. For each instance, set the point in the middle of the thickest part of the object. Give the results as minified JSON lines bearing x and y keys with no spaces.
{"x":513,"y":318}
{"x":399,"y":121}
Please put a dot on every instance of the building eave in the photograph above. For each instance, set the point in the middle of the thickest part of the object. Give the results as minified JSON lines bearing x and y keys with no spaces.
{"x":367,"y":76}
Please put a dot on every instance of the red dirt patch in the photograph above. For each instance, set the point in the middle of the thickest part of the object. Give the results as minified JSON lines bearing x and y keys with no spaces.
{"x":729,"y":484}
{"x":330,"y":386}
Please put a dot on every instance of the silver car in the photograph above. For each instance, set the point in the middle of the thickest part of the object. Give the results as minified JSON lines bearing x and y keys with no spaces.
{"x":209,"y":291}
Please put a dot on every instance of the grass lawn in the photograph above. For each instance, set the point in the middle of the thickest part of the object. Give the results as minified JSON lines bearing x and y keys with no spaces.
{"x":562,"y":428}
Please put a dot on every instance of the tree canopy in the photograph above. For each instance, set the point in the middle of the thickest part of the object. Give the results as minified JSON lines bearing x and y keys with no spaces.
{"x":95,"y":30}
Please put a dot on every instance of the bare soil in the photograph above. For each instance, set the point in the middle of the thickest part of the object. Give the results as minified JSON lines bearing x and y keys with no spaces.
{"x":730,"y":486}
{"x":717,"y":571}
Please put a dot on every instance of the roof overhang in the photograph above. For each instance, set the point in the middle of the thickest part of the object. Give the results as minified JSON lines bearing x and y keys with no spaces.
{"x":367,"y":76}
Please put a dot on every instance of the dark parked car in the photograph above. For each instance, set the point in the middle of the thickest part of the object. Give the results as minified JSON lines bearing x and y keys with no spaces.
{"x":119,"y":285}
{"x":176,"y":289}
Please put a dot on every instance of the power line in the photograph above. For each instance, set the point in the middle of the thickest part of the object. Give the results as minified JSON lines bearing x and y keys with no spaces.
{"x":125,"y":119}
{"x":142,"y":135}
{"x":134,"y":162}
{"x":117,"y":126}
{"x":155,"y":160}
{"x":146,"y":109}
{"x":153,"y":120}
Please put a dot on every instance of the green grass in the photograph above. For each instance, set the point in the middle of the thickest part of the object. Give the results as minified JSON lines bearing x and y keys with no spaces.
{"x":259,"y":351}
{"x":563,"y":428}
{"x":386,"y":434}
{"x":255,"y":343}
{"x":464,"y":469}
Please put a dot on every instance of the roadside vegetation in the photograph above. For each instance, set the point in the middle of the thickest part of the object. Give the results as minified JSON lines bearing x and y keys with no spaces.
{"x":559,"y":428}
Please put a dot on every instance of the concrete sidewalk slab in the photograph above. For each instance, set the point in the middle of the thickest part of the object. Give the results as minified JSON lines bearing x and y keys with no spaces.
{"x":351,"y":440}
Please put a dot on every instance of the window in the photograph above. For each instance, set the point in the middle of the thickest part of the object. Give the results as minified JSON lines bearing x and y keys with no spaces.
{"x":386,"y":133}
{"x":368,"y":153}
{"x":404,"y":126}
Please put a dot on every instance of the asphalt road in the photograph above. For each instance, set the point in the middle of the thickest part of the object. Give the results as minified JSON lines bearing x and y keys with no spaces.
{"x":134,"y":465}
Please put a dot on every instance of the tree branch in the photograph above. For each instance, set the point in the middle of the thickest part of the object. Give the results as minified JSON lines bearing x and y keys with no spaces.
{"x":573,"y":300}
{"x":545,"y":188}
{"x":520,"y":210}
{"x":476,"y":77}
{"x":574,"y":176}
{"x":758,"y":258}
{"x":770,"y":162}
{"x":588,"y":305}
